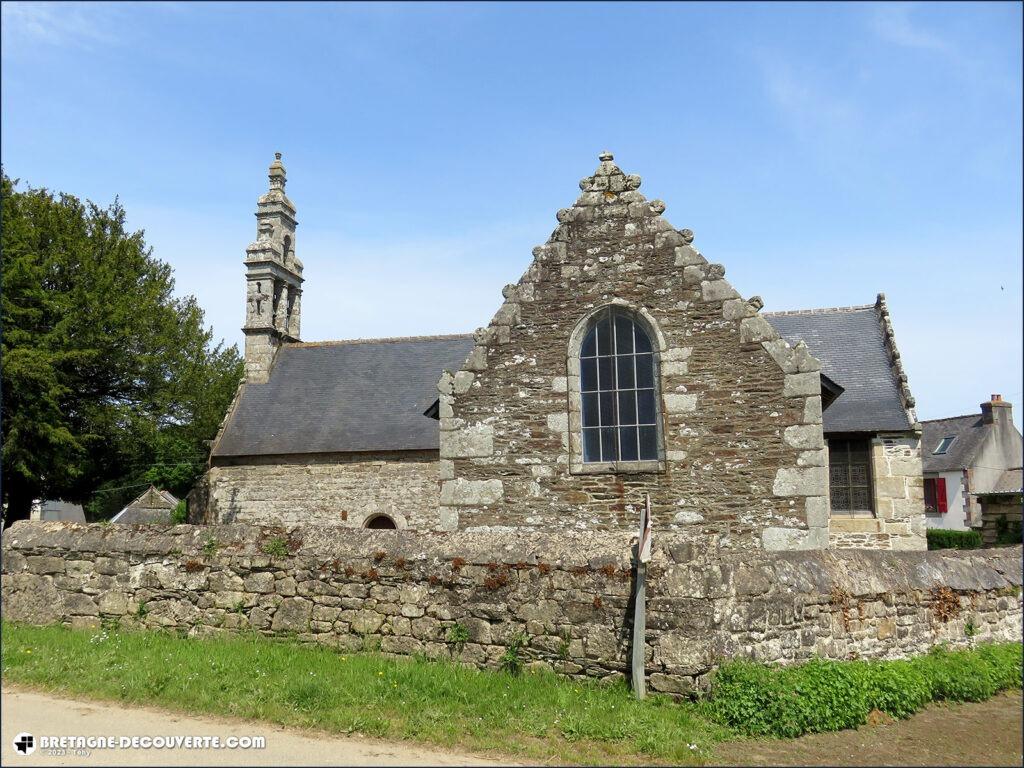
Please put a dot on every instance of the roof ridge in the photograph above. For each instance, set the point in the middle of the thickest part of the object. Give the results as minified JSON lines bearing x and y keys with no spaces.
{"x":382,"y":340}
{"x":818,"y":311}
{"x":950,"y":418}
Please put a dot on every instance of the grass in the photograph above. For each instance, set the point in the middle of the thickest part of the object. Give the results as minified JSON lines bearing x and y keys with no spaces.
{"x":532,"y":716}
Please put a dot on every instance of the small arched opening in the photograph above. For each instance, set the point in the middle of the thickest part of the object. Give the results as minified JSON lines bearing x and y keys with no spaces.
{"x":380,"y":521}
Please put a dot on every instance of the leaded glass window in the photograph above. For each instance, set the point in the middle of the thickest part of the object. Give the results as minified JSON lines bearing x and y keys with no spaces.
{"x":619,"y":398}
{"x":849,"y":476}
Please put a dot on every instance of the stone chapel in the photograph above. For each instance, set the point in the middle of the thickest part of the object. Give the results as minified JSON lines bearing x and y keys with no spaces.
{"x":621,"y":364}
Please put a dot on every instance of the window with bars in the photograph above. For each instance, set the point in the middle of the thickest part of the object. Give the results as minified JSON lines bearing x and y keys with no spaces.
{"x":849,"y":476}
{"x":619,"y":400}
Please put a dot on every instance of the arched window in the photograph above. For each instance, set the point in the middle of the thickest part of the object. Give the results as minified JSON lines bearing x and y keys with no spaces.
{"x":618,"y":390}
{"x":380,"y":521}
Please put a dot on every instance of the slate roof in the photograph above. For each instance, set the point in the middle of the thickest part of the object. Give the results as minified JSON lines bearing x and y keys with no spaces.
{"x":1011,"y":481}
{"x":153,"y":506}
{"x":54,"y":509}
{"x":969,"y":431}
{"x":851,"y":345}
{"x":336,"y":397}
{"x":371,"y":395}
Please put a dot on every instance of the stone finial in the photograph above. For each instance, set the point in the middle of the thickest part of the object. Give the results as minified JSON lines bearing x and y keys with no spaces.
{"x":687,"y":235}
{"x":277,"y":173}
{"x":606,"y":157}
{"x":756,"y":302}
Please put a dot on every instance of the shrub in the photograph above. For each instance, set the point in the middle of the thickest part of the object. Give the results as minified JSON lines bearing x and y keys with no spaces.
{"x":753,"y":698}
{"x":180,"y":513}
{"x":898,"y":688}
{"x":940,"y":538}
{"x":957,"y":675}
{"x":829,"y":696}
{"x":1008,"y":532}
{"x":1004,"y":664}
{"x":762,"y":700}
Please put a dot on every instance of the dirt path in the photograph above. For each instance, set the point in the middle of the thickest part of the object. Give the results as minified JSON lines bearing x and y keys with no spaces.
{"x":987,"y":733}
{"x":39,"y":714}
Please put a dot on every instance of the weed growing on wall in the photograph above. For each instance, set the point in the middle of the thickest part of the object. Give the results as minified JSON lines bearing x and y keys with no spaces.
{"x":458,"y":635}
{"x":510,"y":660}
{"x":275,"y":547}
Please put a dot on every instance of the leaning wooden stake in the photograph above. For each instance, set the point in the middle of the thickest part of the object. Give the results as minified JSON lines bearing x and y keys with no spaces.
{"x":643,"y":555}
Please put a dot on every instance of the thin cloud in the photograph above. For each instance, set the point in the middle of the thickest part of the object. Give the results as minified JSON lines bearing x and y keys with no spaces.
{"x":892,"y":22}
{"x":61,"y":24}
{"x":822,"y":118}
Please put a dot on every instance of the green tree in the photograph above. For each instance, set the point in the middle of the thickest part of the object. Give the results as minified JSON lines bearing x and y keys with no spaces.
{"x":109,"y":380}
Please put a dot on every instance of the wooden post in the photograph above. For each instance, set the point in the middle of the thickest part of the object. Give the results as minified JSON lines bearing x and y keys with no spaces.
{"x":643,"y":555}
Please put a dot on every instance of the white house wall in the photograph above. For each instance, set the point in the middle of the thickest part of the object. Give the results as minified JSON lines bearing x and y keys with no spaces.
{"x":955,"y":517}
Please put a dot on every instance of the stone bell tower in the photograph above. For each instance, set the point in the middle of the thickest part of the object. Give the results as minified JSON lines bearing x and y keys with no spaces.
{"x":273,"y":279}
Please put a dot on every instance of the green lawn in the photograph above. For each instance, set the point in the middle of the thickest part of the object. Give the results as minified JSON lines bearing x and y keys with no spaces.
{"x":531,"y":716}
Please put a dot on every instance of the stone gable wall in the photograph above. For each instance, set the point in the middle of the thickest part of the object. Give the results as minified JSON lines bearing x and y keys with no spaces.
{"x":743,"y":453}
{"x":329,"y":489}
{"x":568,"y":595}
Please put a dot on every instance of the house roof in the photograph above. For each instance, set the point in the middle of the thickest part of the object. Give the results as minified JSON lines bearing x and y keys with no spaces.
{"x":347,"y":396}
{"x":153,"y":506}
{"x":54,"y":509}
{"x":854,"y":352}
{"x":1011,"y":481}
{"x":969,"y":433}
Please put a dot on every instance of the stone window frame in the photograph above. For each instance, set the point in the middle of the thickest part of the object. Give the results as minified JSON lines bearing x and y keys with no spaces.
{"x":643,"y":319}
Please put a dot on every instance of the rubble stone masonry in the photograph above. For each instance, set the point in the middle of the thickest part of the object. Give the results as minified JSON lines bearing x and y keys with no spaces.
{"x":323,"y":489}
{"x":567,"y":595}
{"x":898,"y":522}
{"x":741,"y":461}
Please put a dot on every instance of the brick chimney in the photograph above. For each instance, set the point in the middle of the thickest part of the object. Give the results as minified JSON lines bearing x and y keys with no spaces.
{"x":997,"y":411}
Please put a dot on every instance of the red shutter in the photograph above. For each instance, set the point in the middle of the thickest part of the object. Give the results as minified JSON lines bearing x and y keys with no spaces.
{"x":940,"y":494}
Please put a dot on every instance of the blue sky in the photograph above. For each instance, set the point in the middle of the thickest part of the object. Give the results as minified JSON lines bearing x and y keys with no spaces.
{"x":823,"y":153}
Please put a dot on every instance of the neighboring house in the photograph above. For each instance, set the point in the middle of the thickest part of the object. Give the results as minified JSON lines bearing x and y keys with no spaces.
{"x":153,"y":506}
{"x":964,"y":457}
{"x":621,"y":365}
{"x":54,"y":509}
{"x":1001,"y":509}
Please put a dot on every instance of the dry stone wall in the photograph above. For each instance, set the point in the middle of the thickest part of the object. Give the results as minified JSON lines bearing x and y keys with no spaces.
{"x":742,"y":459}
{"x":566,"y":596}
{"x":329,"y":489}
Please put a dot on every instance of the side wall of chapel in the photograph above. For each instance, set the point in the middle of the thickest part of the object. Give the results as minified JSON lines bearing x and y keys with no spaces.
{"x":346,"y":490}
